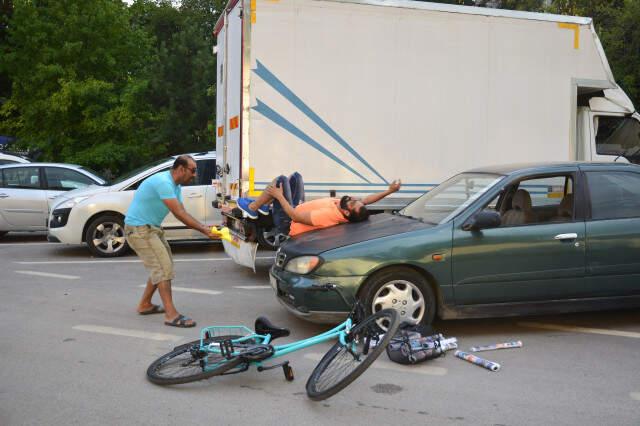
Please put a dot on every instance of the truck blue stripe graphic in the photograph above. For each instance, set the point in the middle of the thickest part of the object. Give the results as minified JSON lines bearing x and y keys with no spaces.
{"x":265,"y":110}
{"x":262,"y":72}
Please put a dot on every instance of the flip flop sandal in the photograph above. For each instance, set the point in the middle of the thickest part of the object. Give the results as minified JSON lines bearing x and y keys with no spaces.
{"x":181,"y":322}
{"x":155,"y":309}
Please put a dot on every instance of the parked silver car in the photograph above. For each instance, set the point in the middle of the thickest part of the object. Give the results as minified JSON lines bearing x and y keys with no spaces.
{"x":6,"y":158}
{"x":95,"y":215}
{"x":27,"y":191}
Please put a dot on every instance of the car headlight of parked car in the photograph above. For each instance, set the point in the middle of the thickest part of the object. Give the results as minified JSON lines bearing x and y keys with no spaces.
{"x":70,"y":203}
{"x":303,"y":264}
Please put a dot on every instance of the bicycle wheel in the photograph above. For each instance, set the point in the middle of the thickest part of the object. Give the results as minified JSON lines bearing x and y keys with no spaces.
{"x":186,"y":363}
{"x":344,"y":363}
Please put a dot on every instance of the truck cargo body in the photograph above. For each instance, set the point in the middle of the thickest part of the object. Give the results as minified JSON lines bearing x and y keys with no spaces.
{"x":354,"y":94}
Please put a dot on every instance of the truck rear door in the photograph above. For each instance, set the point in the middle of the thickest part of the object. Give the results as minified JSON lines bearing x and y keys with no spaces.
{"x":229,"y":99}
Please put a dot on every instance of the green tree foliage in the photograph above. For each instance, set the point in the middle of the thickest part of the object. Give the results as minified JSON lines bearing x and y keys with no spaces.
{"x":183,"y":76}
{"x":79,"y":82}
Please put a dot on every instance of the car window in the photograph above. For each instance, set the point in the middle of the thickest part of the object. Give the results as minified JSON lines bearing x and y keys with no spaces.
{"x":538,"y":200}
{"x":59,"y":179}
{"x":614,"y":195}
{"x":21,"y":177}
{"x":617,"y":135}
{"x":449,"y":198}
{"x":206,"y":171}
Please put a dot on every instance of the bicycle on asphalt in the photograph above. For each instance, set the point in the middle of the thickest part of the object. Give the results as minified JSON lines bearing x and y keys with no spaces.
{"x":234,"y":349}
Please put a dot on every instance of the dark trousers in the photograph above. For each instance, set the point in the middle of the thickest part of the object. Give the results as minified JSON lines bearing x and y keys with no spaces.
{"x":293,"y":190}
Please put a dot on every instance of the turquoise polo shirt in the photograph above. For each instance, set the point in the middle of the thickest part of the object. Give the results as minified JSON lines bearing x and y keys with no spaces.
{"x":147,"y":207}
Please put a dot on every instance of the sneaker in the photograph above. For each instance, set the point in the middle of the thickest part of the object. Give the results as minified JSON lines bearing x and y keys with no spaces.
{"x":243,"y":204}
{"x":264,"y":210}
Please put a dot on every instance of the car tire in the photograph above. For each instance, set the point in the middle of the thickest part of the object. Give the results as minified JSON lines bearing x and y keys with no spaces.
{"x":105,"y":236}
{"x":403,"y":289}
{"x":269,"y":238}
{"x":3,"y":233}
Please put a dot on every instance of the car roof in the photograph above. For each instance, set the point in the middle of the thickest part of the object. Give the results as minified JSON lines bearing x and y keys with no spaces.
{"x":65,"y":165}
{"x":517,"y":168}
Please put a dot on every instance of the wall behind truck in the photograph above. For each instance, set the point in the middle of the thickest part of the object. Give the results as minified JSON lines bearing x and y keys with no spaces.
{"x":352,"y":95}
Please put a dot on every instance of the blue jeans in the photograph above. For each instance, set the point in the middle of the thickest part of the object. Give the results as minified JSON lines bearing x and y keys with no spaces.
{"x":293,"y":190}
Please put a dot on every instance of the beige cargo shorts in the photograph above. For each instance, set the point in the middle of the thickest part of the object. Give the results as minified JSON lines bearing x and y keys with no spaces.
{"x":152,"y":248}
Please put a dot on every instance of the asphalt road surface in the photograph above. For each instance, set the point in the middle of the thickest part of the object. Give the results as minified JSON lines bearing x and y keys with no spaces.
{"x":74,"y":351}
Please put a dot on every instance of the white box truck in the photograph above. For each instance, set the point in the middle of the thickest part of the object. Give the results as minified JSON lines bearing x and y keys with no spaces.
{"x":355,"y":93}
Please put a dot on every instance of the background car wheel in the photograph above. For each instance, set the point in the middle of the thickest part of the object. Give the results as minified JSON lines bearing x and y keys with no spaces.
{"x":3,"y":233}
{"x":105,"y":236}
{"x":404,"y":290}
{"x":269,"y":238}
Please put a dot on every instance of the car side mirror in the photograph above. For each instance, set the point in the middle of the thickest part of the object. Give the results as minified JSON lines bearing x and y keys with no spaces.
{"x":483,"y":220}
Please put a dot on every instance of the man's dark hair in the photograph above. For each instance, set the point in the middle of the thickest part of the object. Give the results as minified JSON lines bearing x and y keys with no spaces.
{"x":183,"y":161}
{"x":358,"y":216}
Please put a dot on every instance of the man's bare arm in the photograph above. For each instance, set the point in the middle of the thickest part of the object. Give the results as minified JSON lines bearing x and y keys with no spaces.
{"x":181,"y":214}
{"x":300,"y":217}
{"x":372,"y":198}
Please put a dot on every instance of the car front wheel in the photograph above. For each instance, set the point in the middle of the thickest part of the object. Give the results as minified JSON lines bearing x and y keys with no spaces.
{"x":105,"y":236}
{"x":404,"y":290}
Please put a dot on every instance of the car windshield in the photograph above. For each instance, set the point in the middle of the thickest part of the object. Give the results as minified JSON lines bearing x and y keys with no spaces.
{"x":96,"y":174}
{"x":134,"y":172}
{"x":446,"y":200}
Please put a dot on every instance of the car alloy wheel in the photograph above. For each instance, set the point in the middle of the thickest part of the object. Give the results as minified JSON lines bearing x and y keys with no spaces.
{"x":108,"y":237}
{"x":403,"y":296}
{"x":403,"y":289}
{"x":105,"y":236}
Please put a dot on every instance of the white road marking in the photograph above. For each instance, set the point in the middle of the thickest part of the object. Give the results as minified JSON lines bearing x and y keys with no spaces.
{"x":47,"y":274}
{"x":388,"y":365}
{"x":128,"y":333}
{"x":192,"y":290}
{"x":635,"y":395}
{"x":570,"y":328}
{"x":23,"y":244}
{"x":252,"y":287}
{"x":70,"y":262}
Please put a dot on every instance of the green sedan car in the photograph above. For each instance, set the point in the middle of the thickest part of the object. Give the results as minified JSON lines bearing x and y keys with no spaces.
{"x":496,"y":241}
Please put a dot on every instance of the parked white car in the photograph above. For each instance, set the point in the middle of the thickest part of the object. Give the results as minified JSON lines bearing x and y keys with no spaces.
{"x":95,"y":215}
{"x":6,"y":158}
{"x":28,"y":190}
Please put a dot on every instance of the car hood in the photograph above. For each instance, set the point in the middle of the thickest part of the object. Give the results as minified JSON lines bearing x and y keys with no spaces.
{"x":378,"y":226}
{"x":82,"y":192}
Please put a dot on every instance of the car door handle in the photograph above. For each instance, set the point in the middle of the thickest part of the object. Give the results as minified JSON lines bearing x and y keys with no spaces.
{"x":563,"y":237}
{"x":4,"y":196}
{"x":194,"y":196}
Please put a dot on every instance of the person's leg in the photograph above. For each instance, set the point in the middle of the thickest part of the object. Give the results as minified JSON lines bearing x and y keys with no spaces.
{"x":165,"y":259}
{"x":145,"y":302}
{"x":164,"y":288}
{"x":297,"y":189}
{"x":281,"y":220}
{"x":262,"y":199}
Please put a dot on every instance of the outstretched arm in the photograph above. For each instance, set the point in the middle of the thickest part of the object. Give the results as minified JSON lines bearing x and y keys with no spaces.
{"x":181,"y":214}
{"x":372,"y":198}
{"x":300,"y":217}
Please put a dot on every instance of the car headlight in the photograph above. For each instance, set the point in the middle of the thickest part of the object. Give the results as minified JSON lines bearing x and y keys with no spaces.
{"x":303,"y":264}
{"x":71,"y":202}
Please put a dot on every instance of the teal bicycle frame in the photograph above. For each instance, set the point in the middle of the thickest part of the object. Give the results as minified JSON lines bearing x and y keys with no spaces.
{"x":340,"y":331}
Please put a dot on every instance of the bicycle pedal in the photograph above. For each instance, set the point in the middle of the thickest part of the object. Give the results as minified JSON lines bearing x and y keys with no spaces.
{"x":288,"y":372}
{"x":271,"y":367}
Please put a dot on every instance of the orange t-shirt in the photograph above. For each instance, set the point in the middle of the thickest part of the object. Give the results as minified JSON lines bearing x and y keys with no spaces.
{"x":324,"y":213}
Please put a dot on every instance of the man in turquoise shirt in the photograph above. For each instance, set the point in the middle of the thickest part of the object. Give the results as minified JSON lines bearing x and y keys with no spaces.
{"x":154,"y":199}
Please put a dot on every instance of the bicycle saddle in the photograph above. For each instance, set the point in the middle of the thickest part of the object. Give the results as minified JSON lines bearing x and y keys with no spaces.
{"x":264,"y":326}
